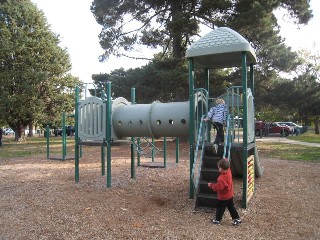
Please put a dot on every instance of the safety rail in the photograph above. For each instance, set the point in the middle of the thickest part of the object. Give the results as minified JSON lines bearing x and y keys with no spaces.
{"x":235,"y":105}
{"x":202,"y":132}
{"x":201,"y":103}
{"x":229,"y":138}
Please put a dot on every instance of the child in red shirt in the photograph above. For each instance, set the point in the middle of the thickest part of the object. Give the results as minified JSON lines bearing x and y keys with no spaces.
{"x":224,"y":188}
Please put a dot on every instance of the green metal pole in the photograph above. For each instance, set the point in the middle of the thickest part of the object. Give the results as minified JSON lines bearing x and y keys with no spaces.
{"x":252,"y":85}
{"x":133,"y":172}
{"x":103,"y":162}
{"x":191,"y":124}
{"x":252,"y":79}
{"x":245,"y":129}
{"x":152,"y":150}
{"x":81,"y":151}
{"x":177,"y":149}
{"x":64,"y":136}
{"x":108,"y":134}
{"x":138,"y":152}
{"x":48,"y":141}
{"x":76,"y":145}
{"x":165,"y":152}
{"x":206,"y":79}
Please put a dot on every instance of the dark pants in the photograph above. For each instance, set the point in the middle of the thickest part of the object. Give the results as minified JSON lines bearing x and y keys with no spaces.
{"x":222,"y":205}
{"x":220,"y":134}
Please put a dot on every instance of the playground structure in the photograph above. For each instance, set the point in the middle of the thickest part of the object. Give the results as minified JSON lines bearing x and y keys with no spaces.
{"x":102,"y":122}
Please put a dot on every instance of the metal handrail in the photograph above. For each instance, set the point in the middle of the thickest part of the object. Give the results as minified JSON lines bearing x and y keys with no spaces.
{"x":229,"y":137}
{"x":195,"y":175}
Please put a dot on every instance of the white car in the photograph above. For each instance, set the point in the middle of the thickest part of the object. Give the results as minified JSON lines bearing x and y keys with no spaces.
{"x":8,"y":131}
{"x":290,"y":127}
{"x":296,"y":128}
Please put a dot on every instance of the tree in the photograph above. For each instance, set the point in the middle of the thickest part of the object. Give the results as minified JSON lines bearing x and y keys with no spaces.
{"x":34,"y":81}
{"x":300,"y":96}
{"x":308,"y":87}
{"x":166,"y":85}
{"x":173,"y":24}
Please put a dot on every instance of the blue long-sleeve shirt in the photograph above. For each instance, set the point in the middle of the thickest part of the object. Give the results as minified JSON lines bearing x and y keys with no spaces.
{"x":218,"y":113}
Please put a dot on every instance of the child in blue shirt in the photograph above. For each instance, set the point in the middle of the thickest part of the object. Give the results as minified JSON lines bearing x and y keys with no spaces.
{"x":218,"y":115}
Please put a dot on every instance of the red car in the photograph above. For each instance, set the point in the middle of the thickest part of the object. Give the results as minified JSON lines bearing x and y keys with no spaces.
{"x":263,"y":128}
{"x":282,"y":129}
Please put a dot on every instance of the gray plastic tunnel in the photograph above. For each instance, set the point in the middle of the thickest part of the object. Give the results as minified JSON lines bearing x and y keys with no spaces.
{"x":151,"y":120}
{"x":136,"y":120}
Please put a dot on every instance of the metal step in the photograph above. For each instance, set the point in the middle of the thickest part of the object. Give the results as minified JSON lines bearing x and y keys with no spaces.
{"x":206,"y":200}
{"x":209,"y":174}
{"x":210,"y":161}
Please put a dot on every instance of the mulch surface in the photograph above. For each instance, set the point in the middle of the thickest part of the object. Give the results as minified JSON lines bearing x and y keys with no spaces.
{"x":39,"y":199}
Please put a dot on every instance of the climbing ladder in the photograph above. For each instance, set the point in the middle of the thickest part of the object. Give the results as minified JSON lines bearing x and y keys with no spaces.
{"x":205,"y":197}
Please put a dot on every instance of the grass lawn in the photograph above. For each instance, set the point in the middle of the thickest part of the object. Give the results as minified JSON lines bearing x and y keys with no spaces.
{"x":309,"y":136}
{"x":293,"y":151}
{"x":33,"y":146}
{"x":37,"y":146}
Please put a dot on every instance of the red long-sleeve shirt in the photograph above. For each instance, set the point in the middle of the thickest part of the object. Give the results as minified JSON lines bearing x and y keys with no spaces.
{"x":223,"y":186}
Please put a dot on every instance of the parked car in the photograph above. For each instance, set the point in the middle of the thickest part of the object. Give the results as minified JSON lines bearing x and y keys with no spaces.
{"x":69,"y":131}
{"x":57,"y":132}
{"x":8,"y":131}
{"x":291,"y":127}
{"x":282,"y":129}
{"x":263,"y":128}
{"x":297,"y":129}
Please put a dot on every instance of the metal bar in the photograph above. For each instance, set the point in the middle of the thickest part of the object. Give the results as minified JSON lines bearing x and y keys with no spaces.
{"x":177,"y":149}
{"x":245,"y":129}
{"x":64,"y":138}
{"x":103,"y":162}
{"x":165,"y":152}
{"x":152,"y":150}
{"x":133,"y":173}
{"x":108,"y":133}
{"x":48,"y":141}
{"x":191,"y":125}
{"x":76,"y":145}
{"x":138,"y":152}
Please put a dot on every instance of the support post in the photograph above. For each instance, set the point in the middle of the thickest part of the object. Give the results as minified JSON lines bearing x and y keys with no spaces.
{"x":108,"y":133}
{"x":76,"y":145}
{"x":207,"y":87}
{"x":245,"y":129}
{"x":64,"y":136}
{"x":191,"y":125}
{"x":48,"y":141}
{"x":103,"y":157}
{"x":177,"y":149}
{"x":152,"y":150}
{"x":252,"y":79}
{"x":165,"y":152}
{"x":138,"y":152}
{"x":133,"y":172}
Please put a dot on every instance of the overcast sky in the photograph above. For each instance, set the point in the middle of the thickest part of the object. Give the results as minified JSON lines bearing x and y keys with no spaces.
{"x":78,"y":30}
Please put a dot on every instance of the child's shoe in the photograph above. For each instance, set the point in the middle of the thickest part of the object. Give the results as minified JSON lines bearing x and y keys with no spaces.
{"x":216,"y":222}
{"x":215,"y":146}
{"x":236,"y":222}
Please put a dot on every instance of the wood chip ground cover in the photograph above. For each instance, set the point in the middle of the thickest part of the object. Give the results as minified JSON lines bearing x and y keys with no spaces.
{"x":39,"y":199}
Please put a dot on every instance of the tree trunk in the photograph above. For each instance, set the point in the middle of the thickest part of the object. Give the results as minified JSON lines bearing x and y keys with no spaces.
{"x":19,"y":134}
{"x":316,"y":124}
{"x":30,"y":134}
{"x":176,"y":9}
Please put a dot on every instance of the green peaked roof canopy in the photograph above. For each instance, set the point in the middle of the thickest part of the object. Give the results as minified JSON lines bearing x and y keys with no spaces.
{"x":221,"y":48}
